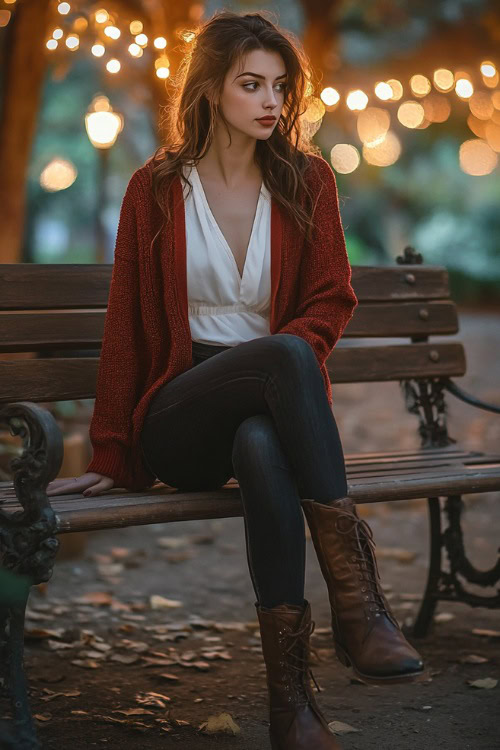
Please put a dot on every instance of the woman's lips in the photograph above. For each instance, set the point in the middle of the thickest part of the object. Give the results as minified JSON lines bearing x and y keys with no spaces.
{"x":267,"y":120}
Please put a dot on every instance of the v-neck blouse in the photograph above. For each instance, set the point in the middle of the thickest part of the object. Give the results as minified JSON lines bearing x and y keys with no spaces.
{"x":225,"y":308}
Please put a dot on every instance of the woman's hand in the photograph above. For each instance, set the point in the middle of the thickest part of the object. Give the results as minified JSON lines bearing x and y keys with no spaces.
{"x":90,"y":484}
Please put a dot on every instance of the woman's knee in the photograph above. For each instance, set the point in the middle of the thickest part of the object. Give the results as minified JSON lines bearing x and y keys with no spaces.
{"x":254,"y":440}
{"x":293,"y":354}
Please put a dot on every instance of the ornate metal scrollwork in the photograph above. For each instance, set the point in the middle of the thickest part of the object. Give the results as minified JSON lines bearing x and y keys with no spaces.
{"x":460,"y":565}
{"x":410,"y":256}
{"x":28,"y":546}
{"x":424,"y":397}
{"x":445,"y":583}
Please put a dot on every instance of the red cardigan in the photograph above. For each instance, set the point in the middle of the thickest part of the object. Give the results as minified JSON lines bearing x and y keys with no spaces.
{"x":147,"y":339}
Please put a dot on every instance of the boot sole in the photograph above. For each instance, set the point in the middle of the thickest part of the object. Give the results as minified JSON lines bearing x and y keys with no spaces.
{"x":391,"y":679}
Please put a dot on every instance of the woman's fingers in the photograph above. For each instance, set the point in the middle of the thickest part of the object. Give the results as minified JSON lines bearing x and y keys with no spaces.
{"x":90,"y":483}
{"x":105,"y":484}
{"x":67,"y":486}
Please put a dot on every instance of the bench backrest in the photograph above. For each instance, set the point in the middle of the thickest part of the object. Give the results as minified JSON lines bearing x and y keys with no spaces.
{"x":52,"y":321}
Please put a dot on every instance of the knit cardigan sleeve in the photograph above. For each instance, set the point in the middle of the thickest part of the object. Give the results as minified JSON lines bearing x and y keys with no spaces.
{"x":122,"y":362}
{"x":326,"y":298}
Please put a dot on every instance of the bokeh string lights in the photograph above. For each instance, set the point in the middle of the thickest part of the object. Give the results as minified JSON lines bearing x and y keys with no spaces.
{"x":377,"y":110}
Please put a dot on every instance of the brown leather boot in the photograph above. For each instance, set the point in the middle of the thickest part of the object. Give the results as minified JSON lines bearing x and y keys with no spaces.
{"x":296,"y":721}
{"x":366,"y":633}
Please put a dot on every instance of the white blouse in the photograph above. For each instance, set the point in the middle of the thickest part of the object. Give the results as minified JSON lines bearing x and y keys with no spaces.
{"x":224,"y":308}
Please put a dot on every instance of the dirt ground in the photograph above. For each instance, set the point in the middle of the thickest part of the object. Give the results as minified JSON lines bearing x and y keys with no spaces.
{"x":153,"y":629}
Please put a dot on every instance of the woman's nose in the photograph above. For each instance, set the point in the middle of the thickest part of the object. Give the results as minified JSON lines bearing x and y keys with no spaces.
{"x":270,"y":100}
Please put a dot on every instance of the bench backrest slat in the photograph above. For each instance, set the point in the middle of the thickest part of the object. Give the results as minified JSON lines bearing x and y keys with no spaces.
{"x":25,"y":332}
{"x":40,"y":286}
{"x":65,"y":378}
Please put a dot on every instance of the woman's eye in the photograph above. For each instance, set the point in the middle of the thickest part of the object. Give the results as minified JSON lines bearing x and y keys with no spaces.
{"x":254,"y":83}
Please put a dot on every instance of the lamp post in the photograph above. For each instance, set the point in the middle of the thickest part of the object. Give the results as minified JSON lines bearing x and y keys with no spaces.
{"x":103,"y":126}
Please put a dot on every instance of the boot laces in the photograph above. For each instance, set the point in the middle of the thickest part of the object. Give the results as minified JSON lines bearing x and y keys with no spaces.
{"x":300,"y":638}
{"x":364,"y":546}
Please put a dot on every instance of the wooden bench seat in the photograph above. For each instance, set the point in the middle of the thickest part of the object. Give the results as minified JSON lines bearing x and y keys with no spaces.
{"x":373,"y":477}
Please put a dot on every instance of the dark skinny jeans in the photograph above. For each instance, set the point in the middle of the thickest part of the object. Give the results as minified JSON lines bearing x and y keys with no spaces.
{"x":257,"y":412}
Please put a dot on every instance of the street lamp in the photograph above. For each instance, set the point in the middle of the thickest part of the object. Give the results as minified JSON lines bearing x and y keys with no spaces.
{"x":103,"y":126}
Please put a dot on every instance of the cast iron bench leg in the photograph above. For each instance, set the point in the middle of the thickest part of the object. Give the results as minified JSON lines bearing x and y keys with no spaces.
{"x":28,"y":546}
{"x":446,"y":584}
{"x":428,"y":604}
{"x":12,"y":646}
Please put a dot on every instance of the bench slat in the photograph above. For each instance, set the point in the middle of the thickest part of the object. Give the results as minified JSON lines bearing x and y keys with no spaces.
{"x":358,"y":364}
{"x":383,"y":460}
{"x":38,"y":286}
{"x":26,"y":332}
{"x":162,"y":504}
{"x":61,"y":379}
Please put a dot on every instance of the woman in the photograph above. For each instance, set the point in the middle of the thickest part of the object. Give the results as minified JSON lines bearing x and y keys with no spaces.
{"x":230,"y":288}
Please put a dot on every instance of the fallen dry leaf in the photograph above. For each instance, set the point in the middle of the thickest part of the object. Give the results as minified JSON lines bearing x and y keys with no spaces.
{"x":158,"y":662}
{"x":172,"y":542}
{"x":153,"y":699}
{"x":188,"y":655}
{"x":217,"y":655}
{"x":92,"y":654}
{"x":37,"y":634}
{"x":169,"y":676}
{"x":443,"y":617}
{"x":119,"y":553}
{"x":473,"y":659}
{"x":223,"y":722}
{"x":96,"y":598}
{"x":86,"y":663}
{"x":160,"y":602}
{"x":487,"y":683}
{"x":486,"y":632}
{"x":125,"y":658}
{"x":339,"y":727}
{"x":67,"y":694}
{"x":59,"y":645}
{"x":37,"y":616}
{"x":138,"y":646}
{"x":102,"y":646}
{"x":133,"y":711}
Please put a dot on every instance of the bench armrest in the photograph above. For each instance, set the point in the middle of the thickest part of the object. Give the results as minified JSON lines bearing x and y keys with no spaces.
{"x":468,"y":398}
{"x":27,"y":542}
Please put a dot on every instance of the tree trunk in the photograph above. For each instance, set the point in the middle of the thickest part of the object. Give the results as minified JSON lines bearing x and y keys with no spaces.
{"x":25,"y":65}
{"x":320,"y":37}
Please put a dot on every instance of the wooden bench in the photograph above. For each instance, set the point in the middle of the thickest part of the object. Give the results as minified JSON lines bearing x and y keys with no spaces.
{"x":59,"y":310}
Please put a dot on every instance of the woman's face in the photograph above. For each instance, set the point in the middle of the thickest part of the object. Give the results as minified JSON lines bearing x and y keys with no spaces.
{"x":254,"y":89}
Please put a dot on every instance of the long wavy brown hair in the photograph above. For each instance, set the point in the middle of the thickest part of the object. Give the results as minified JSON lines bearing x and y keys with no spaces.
{"x":189,"y":119}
